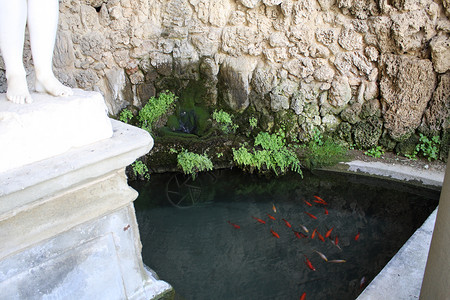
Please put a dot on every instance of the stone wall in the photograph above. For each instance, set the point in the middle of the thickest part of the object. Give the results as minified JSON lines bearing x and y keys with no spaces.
{"x":349,"y":66}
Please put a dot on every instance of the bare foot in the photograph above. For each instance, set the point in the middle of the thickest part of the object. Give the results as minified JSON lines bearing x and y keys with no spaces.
{"x":52,"y":86}
{"x":18,"y":90}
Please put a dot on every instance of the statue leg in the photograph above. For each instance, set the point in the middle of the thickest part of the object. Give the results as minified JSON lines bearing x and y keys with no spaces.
{"x":13,"y":17}
{"x":42,"y":25}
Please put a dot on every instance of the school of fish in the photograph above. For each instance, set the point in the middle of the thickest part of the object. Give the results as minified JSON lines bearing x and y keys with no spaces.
{"x":334,"y":239}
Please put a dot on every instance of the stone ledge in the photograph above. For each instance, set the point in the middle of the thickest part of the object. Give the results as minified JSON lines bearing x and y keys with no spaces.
{"x":34,"y":183}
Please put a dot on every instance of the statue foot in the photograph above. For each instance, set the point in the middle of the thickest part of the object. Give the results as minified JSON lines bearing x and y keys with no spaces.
{"x":52,"y":86}
{"x":18,"y":90}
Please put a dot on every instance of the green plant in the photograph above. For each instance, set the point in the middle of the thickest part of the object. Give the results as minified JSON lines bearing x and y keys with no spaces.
{"x":225,"y":121}
{"x":376,"y":152}
{"x":428,"y":147}
{"x":219,"y":155}
{"x":192,"y":163}
{"x":275,"y":155}
{"x":155,"y":108}
{"x":125,"y":115}
{"x":139,"y":168}
{"x":253,"y":122}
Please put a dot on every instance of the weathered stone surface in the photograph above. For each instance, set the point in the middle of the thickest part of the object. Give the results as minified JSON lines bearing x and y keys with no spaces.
{"x":250,"y":3}
{"x":350,"y":40}
{"x":367,"y":133}
{"x":340,"y":92}
{"x":440,"y":53}
{"x":437,"y":116}
{"x":406,"y":86}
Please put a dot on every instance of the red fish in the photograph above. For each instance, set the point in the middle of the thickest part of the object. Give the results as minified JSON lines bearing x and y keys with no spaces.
{"x":303,"y":297}
{"x":357,"y":237}
{"x":234,"y":225}
{"x":320,"y":200}
{"x":336,"y":241}
{"x":309,"y":264}
{"x":326,"y":211}
{"x":274,"y":208}
{"x":274,"y":233}
{"x":287,"y":223}
{"x":311,"y":215}
{"x":313,"y":234}
{"x":320,"y":237}
{"x":259,"y":220}
{"x":327,"y":235}
{"x":307,"y":203}
{"x":299,"y":235}
{"x":271,"y":217}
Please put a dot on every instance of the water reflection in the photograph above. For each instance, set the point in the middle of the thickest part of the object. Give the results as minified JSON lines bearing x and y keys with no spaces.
{"x":190,"y":243}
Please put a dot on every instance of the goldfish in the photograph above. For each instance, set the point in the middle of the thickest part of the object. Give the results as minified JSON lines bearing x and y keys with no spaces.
{"x":313,"y":234}
{"x":337,"y":261}
{"x":259,"y":220}
{"x":304,"y":228}
{"x":274,"y":233}
{"x":309,"y":264}
{"x":274,"y":208}
{"x":303,"y":296}
{"x":357,"y":237}
{"x":326,"y":211}
{"x":234,"y":225}
{"x":362,"y":282}
{"x":287,"y":223}
{"x":271,"y":217}
{"x":320,"y":200}
{"x":336,"y":243}
{"x":311,"y":215}
{"x":299,"y":234}
{"x":321,"y":255}
{"x":307,"y":203}
{"x":320,"y":237}
{"x":327,"y":235}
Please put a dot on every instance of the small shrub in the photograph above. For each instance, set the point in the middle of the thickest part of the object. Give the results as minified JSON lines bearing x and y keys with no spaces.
{"x":253,"y":122}
{"x":140,"y":169}
{"x":376,"y":152}
{"x":126,"y":115}
{"x":225,"y":121}
{"x":192,"y":163}
{"x":154,"y":109}
{"x":429,"y":148}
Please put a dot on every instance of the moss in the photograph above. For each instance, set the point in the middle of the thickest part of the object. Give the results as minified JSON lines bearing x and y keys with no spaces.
{"x":407,"y":147}
{"x":344,"y":133}
{"x":445,"y":145}
{"x":287,"y":121}
{"x":386,"y":141}
{"x":367,"y":133}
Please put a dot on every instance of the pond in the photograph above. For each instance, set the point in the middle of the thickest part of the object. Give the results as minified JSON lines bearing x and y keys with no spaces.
{"x":230,"y":235}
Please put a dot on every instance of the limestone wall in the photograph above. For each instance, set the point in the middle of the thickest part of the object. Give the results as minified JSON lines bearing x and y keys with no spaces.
{"x":373,"y":71}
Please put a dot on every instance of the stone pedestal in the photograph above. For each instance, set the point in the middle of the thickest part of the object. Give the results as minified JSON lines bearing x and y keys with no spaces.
{"x":68,"y":228}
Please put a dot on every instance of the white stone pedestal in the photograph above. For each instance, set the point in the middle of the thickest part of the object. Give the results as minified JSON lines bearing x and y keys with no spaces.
{"x":68,"y":228}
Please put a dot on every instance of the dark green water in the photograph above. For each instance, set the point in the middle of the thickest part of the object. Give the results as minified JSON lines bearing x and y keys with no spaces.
{"x":188,"y":241}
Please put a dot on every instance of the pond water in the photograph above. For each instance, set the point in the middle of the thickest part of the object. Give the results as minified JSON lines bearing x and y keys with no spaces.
{"x":189,"y":239}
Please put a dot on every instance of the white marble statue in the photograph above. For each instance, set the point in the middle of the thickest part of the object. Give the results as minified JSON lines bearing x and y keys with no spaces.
{"x":42,"y":19}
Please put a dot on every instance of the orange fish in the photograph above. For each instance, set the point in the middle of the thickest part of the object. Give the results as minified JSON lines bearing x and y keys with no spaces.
{"x":309,"y":264}
{"x":234,"y":225}
{"x":327,"y":235}
{"x":307,"y":203}
{"x":287,"y":223}
{"x":274,"y":208}
{"x":275,"y":234}
{"x":326,"y":211}
{"x":312,"y":216}
{"x":313,"y":234}
{"x":320,"y":237}
{"x":299,"y":235}
{"x":336,"y":240}
{"x":303,"y":297}
{"x":357,"y":237}
{"x":320,"y":200}
{"x":259,"y":220}
{"x":271,"y":217}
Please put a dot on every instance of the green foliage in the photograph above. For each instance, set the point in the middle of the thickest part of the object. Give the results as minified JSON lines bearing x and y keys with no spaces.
{"x":429,"y":148}
{"x":139,"y":168}
{"x":376,"y":152}
{"x":225,"y":121}
{"x":155,"y":108}
{"x":253,"y":122}
{"x":275,"y":155}
{"x":322,"y":151}
{"x":126,"y":115}
{"x":192,"y":163}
